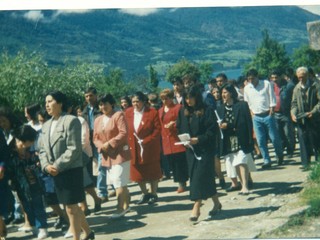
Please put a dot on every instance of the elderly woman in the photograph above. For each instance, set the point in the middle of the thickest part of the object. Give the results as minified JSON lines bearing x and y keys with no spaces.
{"x":111,"y":139}
{"x":237,"y":142}
{"x":61,"y":156}
{"x":198,"y":121}
{"x":175,"y":154}
{"x":144,"y":140}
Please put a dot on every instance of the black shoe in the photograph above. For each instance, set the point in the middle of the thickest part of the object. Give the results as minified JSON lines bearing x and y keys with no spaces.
{"x":144,"y":199}
{"x":59,"y":223}
{"x":266,"y":166}
{"x":257,"y":156}
{"x":87,"y":212}
{"x":90,"y":236}
{"x":215,"y":211}
{"x":222,"y":183}
{"x":280,"y":161}
{"x":97,"y":206}
{"x":153,"y":199}
{"x":232,"y":188}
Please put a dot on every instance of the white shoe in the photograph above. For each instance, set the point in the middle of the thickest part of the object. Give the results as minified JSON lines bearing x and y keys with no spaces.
{"x":43,"y":233}
{"x":68,"y":235}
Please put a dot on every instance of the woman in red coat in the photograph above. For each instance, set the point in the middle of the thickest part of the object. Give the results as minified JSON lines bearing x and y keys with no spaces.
{"x":176,"y":154}
{"x":144,"y":140}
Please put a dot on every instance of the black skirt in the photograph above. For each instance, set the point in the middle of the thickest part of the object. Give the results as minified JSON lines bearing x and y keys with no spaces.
{"x":69,"y":186}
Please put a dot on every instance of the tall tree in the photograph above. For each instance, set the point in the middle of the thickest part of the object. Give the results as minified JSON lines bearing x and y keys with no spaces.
{"x":305,"y":56}
{"x":182,"y":68}
{"x":153,"y":78}
{"x":206,"y":69}
{"x":270,"y":55}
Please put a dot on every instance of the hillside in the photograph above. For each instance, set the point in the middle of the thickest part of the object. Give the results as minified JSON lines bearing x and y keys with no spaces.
{"x":225,"y":36}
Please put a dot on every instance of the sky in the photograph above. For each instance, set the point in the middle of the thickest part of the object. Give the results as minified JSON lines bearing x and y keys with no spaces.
{"x":139,"y":6}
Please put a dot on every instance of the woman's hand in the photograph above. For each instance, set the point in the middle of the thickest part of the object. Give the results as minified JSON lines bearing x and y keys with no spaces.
{"x":170,"y":124}
{"x":223,"y":125}
{"x":105,"y":147}
{"x":194,"y":141}
{"x":52,"y":170}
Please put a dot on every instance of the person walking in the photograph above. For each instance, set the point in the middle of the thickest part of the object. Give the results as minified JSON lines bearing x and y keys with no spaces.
{"x":144,"y":141}
{"x":198,"y":121}
{"x":261,"y":100}
{"x":60,"y":155}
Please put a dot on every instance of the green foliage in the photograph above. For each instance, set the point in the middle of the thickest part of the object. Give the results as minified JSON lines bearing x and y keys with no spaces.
{"x":153,"y":77}
{"x":305,"y":56}
{"x":270,"y":55}
{"x":182,"y":68}
{"x":206,"y":69}
{"x":314,"y":175}
{"x":25,"y":78}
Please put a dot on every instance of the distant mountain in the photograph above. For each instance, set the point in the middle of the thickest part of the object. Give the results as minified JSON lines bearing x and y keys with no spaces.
{"x":228,"y":37}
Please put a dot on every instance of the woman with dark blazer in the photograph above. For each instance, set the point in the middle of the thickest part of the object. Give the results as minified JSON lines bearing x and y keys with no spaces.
{"x":61,"y":156}
{"x":198,"y":120}
{"x":175,"y":154}
{"x":110,"y":136}
{"x":237,"y":143}
{"x":144,"y":141}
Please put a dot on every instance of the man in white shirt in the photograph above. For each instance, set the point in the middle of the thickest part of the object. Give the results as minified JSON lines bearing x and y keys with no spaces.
{"x":261,"y":100}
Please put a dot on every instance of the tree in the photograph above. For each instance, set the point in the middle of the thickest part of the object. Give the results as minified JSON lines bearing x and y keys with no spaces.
{"x":305,"y":56}
{"x":26,"y":78}
{"x":153,"y":78}
{"x":206,"y":70}
{"x":270,"y":55}
{"x":182,"y":68}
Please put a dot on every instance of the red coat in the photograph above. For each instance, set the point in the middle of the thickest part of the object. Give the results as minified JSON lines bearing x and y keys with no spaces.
{"x":116,"y":133}
{"x":146,"y":168}
{"x":170,"y":135}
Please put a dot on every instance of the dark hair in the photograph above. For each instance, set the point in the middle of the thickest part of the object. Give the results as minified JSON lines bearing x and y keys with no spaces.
{"x":212,"y":81}
{"x":275,"y":72}
{"x":195,"y":92}
{"x":126,"y":98}
{"x":59,"y":97}
{"x":43,"y":113}
{"x":13,"y":119}
{"x":25,"y":133}
{"x":91,"y":90}
{"x":222,"y":75}
{"x":141,"y":96}
{"x":230,"y":88}
{"x":289,"y":72}
{"x":252,"y":72}
{"x":240,"y":81}
{"x":32,"y":111}
{"x":107,"y":98}
{"x":176,"y":79}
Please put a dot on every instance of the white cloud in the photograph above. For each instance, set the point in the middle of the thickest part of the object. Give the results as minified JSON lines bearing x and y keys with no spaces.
{"x":139,"y":11}
{"x":33,"y":15}
{"x":312,"y":8}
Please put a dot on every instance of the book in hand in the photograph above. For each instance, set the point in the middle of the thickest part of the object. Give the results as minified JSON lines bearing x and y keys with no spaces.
{"x":301,"y":115}
{"x":184,"y":139}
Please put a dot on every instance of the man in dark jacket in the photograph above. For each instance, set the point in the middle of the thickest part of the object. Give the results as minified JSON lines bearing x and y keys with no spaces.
{"x":305,"y":111}
{"x":282,"y":111}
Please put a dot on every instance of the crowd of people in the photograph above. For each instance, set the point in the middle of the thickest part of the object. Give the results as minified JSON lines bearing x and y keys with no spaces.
{"x":62,"y":152}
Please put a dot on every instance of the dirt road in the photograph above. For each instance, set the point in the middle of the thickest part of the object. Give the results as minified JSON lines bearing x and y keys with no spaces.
{"x":272,"y":201}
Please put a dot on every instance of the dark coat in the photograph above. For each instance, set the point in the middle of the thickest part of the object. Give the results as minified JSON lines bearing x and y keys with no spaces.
{"x":243,"y":126}
{"x":313,"y":102}
{"x":201,"y":172}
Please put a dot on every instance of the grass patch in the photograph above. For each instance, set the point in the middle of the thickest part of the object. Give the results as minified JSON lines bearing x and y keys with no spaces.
{"x":309,"y":196}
